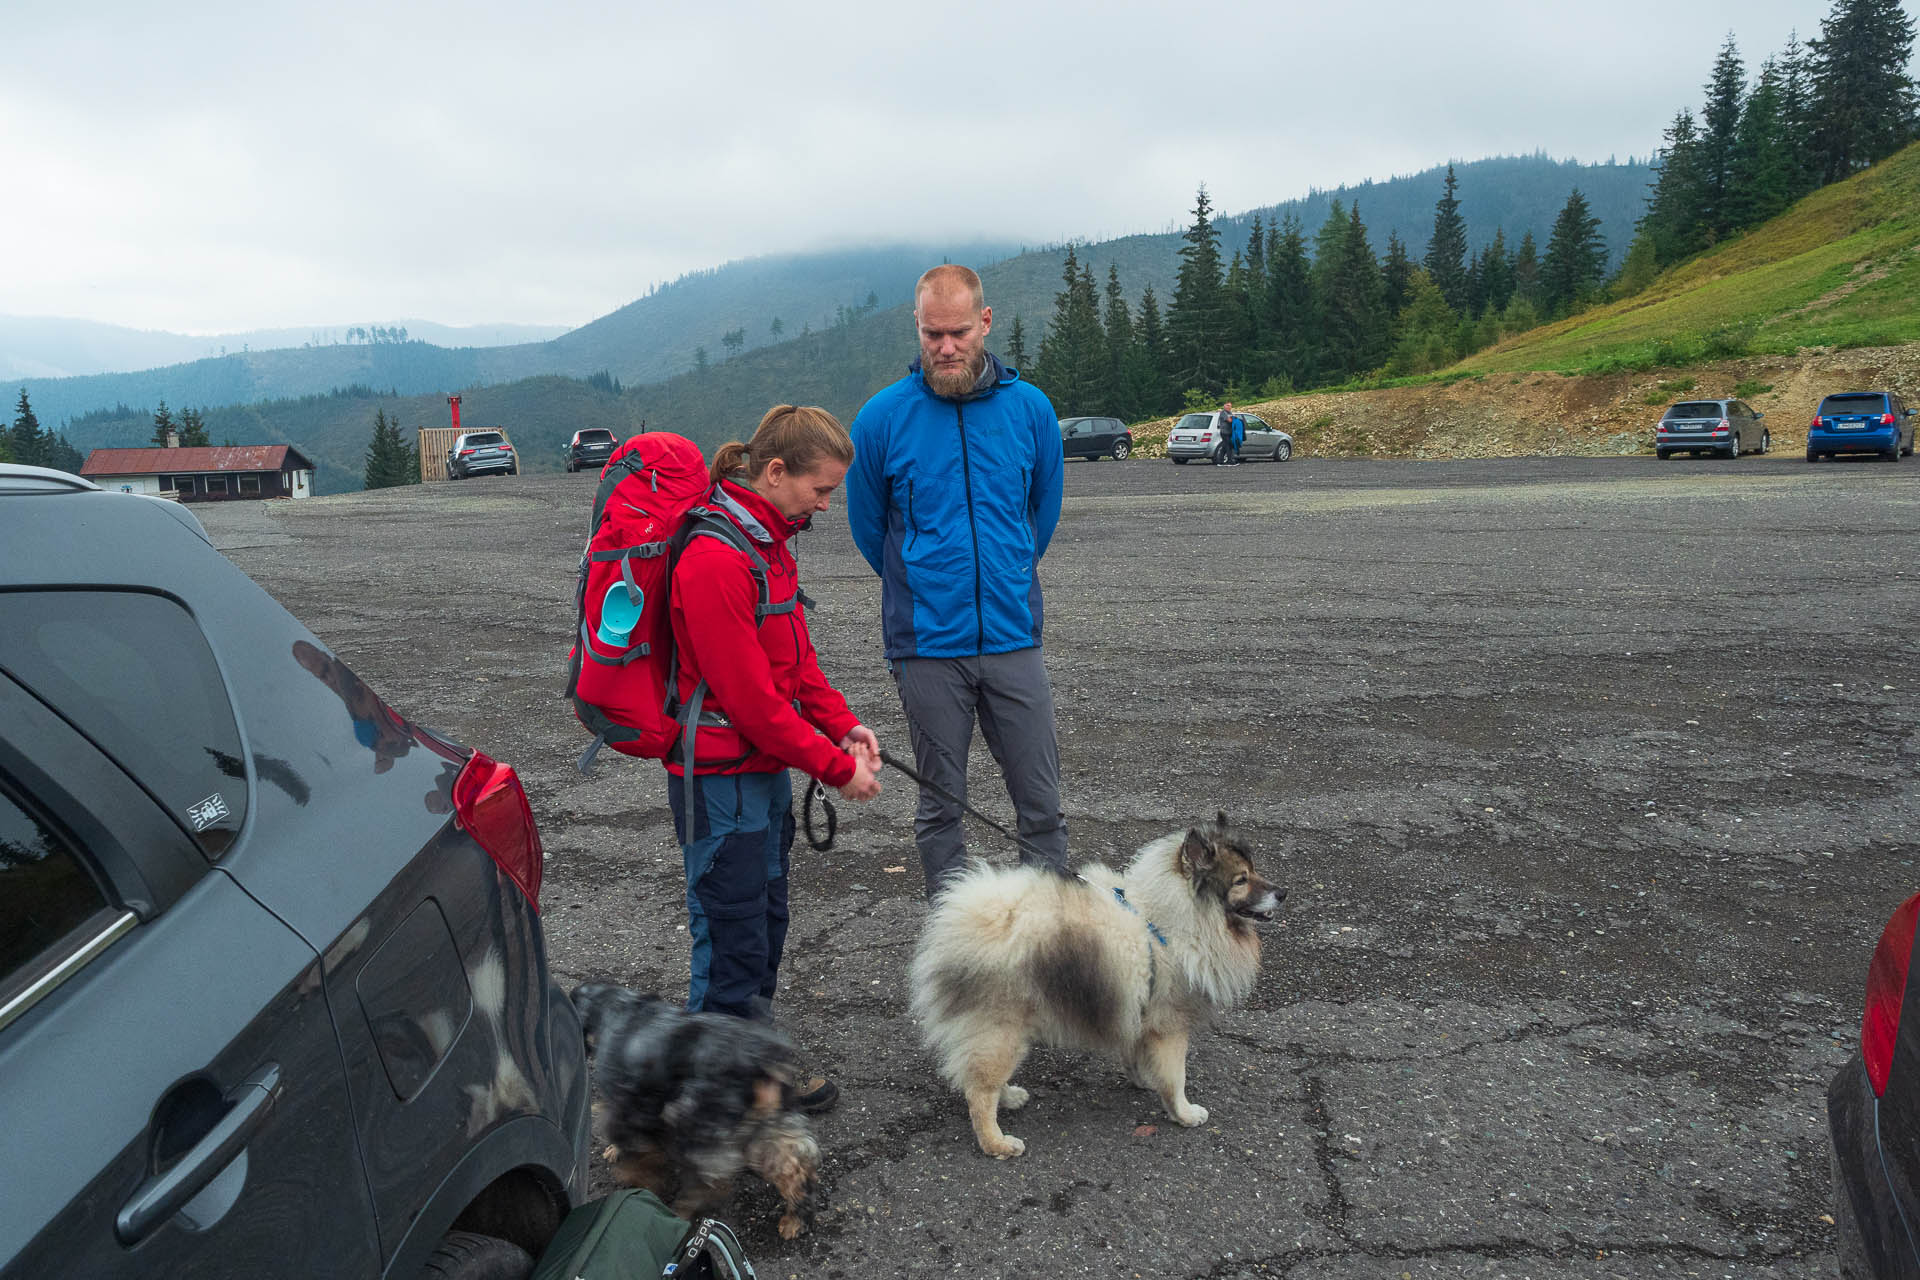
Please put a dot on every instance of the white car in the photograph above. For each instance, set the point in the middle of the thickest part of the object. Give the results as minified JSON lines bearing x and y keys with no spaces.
{"x":1194,"y":437}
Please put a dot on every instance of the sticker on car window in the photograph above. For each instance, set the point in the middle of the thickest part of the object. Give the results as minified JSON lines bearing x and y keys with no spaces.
{"x":207,"y":812}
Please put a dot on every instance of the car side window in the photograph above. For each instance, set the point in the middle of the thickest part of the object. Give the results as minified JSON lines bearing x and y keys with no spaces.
{"x":132,"y":671}
{"x":46,"y":893}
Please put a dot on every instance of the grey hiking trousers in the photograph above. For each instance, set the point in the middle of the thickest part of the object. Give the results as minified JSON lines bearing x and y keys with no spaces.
{"x":1011,"y":697}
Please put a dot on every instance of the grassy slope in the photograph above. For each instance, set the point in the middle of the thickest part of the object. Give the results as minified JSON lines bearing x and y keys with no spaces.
{"x":1839,"y":269}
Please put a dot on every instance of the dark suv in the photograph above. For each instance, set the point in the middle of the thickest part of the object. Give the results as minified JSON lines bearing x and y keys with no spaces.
{"x":1861,"y":422}
{"x":1727,"y":428}
{"x":479,"y":453}
{"x":1092,"y":438}
{"x":273,"y":987}
{"x":590,"y":448}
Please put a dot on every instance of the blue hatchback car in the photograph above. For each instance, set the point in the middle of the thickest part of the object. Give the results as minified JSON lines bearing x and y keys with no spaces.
{"x":1861,"y":422}
{"x":274,"y":996}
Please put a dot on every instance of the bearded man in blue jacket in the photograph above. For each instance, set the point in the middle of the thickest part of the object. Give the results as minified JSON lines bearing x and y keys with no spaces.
{"x":953,"y":496}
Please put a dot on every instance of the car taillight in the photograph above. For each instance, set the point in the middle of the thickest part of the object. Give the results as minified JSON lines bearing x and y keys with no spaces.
{"x":1818,"y":422}
{"x":465,"y":452}
{"x":1886,"y":419}
{"x":491,"y":806}
{"x":1886,"y":987}
{"x":1724,"y":424}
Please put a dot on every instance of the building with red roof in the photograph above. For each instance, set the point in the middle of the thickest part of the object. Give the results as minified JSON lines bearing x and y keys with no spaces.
{"x":204,"y":474}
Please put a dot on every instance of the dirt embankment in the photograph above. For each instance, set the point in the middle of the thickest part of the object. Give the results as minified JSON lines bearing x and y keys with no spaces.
{"x":1498,"y":415}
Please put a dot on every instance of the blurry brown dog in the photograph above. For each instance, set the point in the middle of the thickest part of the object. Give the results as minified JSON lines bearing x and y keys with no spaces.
{"x":693,"y":1099}
{"x":1126,"y":963}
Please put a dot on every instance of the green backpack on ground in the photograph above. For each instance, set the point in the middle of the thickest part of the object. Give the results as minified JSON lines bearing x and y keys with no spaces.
{"x":631,"y":1235}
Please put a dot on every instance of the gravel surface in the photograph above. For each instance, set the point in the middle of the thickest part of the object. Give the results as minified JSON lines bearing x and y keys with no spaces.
{"x":1592,"y":781}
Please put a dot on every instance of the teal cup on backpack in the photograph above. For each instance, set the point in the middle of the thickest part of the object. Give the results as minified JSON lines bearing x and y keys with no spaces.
{"x":619,"y":614}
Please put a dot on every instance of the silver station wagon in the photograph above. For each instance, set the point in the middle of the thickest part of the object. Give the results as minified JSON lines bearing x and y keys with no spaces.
{"x":1194,"y":437}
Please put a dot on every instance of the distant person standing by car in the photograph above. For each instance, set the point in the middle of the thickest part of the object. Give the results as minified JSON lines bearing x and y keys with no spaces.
{"x":1223,"y":429}
{"x":772,"y":710}
{"x":953,"y":496}
{"x":1239,"y":437}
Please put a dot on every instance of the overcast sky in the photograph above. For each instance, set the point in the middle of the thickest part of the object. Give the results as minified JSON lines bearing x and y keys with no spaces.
{"x":223,"y":166}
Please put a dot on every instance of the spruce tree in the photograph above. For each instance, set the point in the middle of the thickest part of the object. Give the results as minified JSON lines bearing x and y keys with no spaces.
{"x":1250,"y":303}
{"x":1576,"y":258}
{"x":1765,"y":179}
{"x":1497,"y":272}
{"x":193,"y":429}
{"x":1349,"y":298}
{"x":1368,"y":291}
{"x":1289,"y":310}
{"x":1796,"y":113}
{"x":1476,"y":301}
{"x":1073,"y":353}
{"x":1050,"y":364}
{"x":1198,"y":324}
{"x":1120,"y":350}
{"x":1396,"y":274}
{"x":1089,"y":346}
{"x":1526,"y":272}
{"x":30,"y":444}
{"x":60,"y":453}
{"x":162,"y":424}
{"x":1863,"y":100}
{"x":1242,"y":324}
{"x":1719,"y":134}
{"x":386,"y":456}
{"x":1674,"y":216}
{"x":1446,"y":260}
{"x":1017,"y":346}
{"x":1153,"y":390}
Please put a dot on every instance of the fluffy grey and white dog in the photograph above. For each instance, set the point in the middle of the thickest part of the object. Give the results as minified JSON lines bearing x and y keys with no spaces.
{"x":1124,"y":963}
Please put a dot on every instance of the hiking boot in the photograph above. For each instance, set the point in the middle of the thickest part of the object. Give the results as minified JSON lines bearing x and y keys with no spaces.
{"x":811,"y":1097}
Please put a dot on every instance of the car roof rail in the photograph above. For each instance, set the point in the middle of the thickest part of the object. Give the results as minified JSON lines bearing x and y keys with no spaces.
{"x":16,"y":477}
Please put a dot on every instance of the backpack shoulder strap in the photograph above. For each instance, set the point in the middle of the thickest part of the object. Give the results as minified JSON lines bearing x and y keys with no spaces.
{"x":631,"y":465}
{"x":707,"y":522}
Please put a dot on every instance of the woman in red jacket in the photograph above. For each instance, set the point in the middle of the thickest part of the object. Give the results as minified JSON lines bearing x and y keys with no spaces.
{"x":766,"y":707}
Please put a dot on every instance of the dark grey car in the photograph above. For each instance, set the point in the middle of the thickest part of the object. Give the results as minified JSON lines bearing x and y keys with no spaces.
{"x":479,"y":453}
{"x":273,"y":987}
{"x":1727,"y":428}
{"x":590,"y":448}
{"x":1092,"y":438}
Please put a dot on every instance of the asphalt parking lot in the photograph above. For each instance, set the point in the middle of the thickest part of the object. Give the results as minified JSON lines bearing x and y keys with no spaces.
{"x":1592,"y":781}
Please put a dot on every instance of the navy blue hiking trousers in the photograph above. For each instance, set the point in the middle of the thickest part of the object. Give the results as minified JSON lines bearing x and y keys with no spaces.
{"x":737,"y":853}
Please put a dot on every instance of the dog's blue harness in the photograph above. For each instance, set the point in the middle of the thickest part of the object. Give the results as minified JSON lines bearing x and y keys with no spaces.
{"x":1120,"y":896}
{"x":1153,"y":931}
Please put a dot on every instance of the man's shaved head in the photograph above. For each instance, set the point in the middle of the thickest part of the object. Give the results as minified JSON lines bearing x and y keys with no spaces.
{"x":950,"y":277}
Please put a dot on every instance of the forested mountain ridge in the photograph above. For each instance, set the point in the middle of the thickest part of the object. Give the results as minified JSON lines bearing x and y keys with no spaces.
{"x":754,"y":302}
{"x":666,"y":332}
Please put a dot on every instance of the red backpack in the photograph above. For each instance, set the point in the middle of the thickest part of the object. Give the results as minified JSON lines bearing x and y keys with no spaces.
{"x":622,"y":674}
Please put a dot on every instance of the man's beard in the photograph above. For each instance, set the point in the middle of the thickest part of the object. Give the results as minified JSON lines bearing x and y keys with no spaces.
{"x":957,"y":382}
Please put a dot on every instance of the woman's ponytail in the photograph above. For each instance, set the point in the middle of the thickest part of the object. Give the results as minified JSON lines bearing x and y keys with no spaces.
{"x":733,"y":457}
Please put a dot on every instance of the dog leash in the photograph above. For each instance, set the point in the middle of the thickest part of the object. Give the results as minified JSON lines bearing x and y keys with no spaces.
{"x":887,"y":757}
{"x":817,"y":793}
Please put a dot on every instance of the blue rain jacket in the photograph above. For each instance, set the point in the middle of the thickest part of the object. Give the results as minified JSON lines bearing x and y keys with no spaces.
{"x":953,"y":501}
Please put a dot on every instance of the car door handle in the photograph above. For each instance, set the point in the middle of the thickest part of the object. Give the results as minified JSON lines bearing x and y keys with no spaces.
{"x":162,"y":1195}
